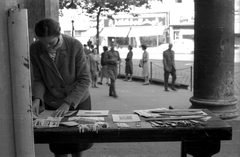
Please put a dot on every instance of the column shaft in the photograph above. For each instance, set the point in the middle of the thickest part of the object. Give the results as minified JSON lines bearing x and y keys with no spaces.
{"x":214,"y":57}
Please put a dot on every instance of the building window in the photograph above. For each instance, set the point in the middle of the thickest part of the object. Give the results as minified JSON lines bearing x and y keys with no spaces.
{"x":176,"y":35}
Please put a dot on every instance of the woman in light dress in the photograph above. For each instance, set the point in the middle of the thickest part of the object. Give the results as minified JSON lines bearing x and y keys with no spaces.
{"x":94,"y":62}
{"x":145,"y":65}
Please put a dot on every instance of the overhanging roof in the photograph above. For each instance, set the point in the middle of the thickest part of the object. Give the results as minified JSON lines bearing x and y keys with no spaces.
{"x":146,"y":31}
{"x":115,"y":31}
{"x":91,"y":32}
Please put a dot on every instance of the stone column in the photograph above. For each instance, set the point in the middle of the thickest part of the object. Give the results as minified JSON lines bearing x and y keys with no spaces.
{"x":214,"y":58}
{"x":38,"y":9}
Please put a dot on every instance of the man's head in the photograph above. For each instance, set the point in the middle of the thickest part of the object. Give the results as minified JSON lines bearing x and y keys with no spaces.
{"x":144,"y":47}
{"x":105,"y":48}
{"x":112,"y":45}
{"x":130,"y":47}
{"x":47,"y":31}
{"x":170,"y":46}
{"x":92,"y":47}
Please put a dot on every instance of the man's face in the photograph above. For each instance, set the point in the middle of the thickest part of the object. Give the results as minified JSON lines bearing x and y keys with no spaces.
{"x":49,"y":42}
{"x":112,"y":46}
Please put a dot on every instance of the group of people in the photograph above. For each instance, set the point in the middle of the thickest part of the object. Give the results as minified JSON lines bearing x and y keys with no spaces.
{"x":104,"y":66}
{"x":168,"y":66}
{"x":63,"y":69}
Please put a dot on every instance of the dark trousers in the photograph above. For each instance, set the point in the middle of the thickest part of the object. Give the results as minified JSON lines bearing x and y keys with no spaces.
{"x":112,"y":74}
{"x":166,"y":77}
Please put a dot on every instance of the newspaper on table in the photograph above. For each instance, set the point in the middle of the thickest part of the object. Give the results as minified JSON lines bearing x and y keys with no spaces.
{"x":47,"y":113}
{"x":173,"y":114}
{"x":147,"y":112}
{"x":93,"y":113}
{"x":121,"y":118}
{"x":49,"y":122}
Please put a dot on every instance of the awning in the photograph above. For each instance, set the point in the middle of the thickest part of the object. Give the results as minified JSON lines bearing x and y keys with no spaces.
{"x":115,"y":31}
{"x":146,"y":31}
{"x":91,"y":32}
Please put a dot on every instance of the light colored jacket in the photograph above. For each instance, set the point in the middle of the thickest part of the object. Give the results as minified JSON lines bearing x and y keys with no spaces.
{"x":65,"y":80}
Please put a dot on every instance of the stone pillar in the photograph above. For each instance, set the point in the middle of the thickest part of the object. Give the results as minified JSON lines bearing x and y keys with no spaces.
{"x":38,"y":9}
{"x":20,"y":83}
{"x":15,"y":117}
{"x":7,"y":144}
{"x":214,"y":58}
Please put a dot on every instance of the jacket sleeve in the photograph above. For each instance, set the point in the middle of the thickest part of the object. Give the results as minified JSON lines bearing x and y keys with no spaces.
{"x":38,"y":87}
{"x":82,"y":76}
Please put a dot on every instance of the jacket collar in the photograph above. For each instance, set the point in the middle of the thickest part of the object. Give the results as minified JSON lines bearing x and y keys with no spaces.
{"x":60,"y":57}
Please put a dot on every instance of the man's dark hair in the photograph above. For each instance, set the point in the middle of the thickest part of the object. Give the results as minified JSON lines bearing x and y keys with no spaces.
{"x":105,"y":48}
{"x":130,"y":47}
{"x":47,"y":27}
{"x":144,"y":47}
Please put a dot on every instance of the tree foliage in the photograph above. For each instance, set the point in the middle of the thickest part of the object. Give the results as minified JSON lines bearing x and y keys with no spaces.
{"x":93,"y":6}
{"x":104,"y":7}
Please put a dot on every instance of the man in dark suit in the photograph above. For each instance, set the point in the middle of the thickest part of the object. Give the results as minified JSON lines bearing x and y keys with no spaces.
{"x":169,"y":67}
{"x":112,"y":59}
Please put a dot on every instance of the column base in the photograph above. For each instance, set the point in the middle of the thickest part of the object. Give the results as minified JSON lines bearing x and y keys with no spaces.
{"x":224,"y":109}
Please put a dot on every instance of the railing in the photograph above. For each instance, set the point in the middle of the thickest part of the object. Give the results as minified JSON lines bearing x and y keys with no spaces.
{"x":184,"y":75}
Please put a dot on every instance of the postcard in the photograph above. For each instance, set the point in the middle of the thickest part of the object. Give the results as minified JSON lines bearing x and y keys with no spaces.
{"x":93,"y":113}
{"x":47,"y":113}
{"x":123,"y":118}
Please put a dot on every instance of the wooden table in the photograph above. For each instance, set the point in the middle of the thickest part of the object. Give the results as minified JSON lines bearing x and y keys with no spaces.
{"x":198,"y":141}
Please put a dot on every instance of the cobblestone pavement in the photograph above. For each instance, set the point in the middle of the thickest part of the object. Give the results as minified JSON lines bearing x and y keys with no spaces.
{"x":184,"y":73}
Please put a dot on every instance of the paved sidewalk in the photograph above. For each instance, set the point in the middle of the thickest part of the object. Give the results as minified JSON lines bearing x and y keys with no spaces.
{"x":134,"y":95}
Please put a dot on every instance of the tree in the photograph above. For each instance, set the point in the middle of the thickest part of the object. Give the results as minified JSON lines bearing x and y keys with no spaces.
{"x":100,"y":7}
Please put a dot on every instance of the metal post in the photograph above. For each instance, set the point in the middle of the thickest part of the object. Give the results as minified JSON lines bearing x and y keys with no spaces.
{"x":191,"y":78}
{"x":20,"y":83}
{"x":151,"y":72}
{"x":72,"y":28}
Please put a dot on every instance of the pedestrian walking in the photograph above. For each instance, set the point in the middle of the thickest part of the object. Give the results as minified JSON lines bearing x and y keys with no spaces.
{"x":169,"y":67}
{"x":129,"y":64}
{"x":112,"y":59}
{"x":94,"y":62}
{"x":61,"y":78}
{"x":89,"y":43}
{"x":103,"y":67}
{"x":86,"y":50}
{"x":145,"y":65}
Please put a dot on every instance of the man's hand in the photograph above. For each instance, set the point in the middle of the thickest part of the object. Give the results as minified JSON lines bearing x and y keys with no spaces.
{"x":35,"y":107}
{"x":62,"y":110}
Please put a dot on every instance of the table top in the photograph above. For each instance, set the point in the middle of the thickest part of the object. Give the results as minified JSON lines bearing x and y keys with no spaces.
{"x":214,"y":129}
